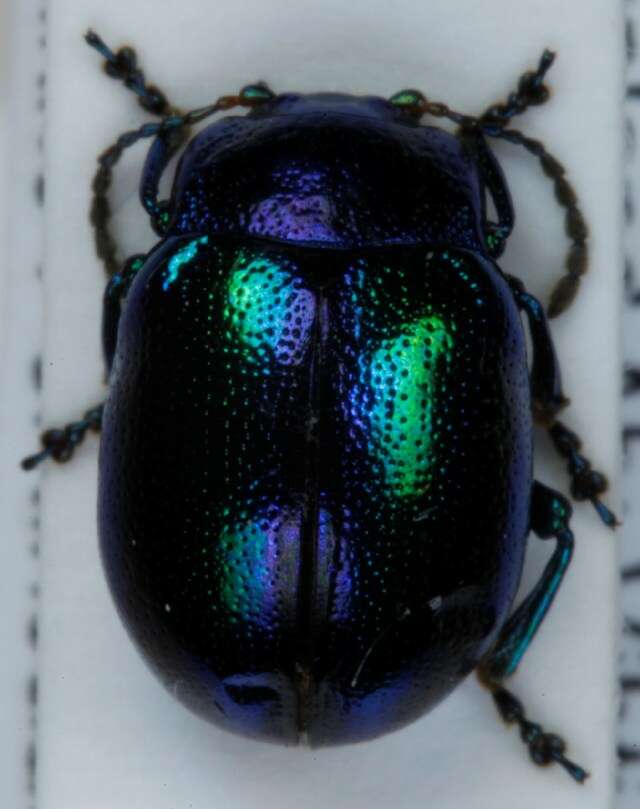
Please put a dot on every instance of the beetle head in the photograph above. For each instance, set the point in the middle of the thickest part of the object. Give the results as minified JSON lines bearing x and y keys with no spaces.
{"x":299,"y":104}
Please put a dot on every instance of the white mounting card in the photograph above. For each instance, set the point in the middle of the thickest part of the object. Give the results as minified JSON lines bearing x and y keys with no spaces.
{"x":109,"y":736}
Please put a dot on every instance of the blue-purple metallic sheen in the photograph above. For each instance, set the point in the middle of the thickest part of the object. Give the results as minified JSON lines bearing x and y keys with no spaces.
{"x":316,"y":454}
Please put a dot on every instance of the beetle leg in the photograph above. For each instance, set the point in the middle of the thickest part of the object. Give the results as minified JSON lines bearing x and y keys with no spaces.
{"x":586,"y":483}
{"x":496,"y":233}
{"x":494,"y":123}
{"x":60,"y":443}
{"x":546,"y":382}
{"x":123,"y":65}
{"x":114,"y":294}
{"x":550,"y":513}
{"x":169,"y":127}
{"x":544,"y":747}
{"x":549,"y":399}
{"x":169,"y":133}
{"x":530,"y":92}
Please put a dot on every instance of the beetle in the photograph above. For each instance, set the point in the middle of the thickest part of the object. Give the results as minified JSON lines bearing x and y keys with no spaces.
{"x":316,"y":457}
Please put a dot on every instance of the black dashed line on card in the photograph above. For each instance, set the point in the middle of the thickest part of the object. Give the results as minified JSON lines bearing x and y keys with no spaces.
{"x":630,"y":39}
{"x":629,"y":139}
{"x":39,"y":189}
{"x":627,"y":781}
{"x":631,"y":381}
{"x":631,"y":291}
{"x":32,"y":630}
{"x":33,"y":627}
{"x":629,"y":207}
{"x":36,"y":373}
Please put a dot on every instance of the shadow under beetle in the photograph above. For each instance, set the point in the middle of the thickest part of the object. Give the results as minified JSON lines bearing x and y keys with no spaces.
{"x":316,"y":457}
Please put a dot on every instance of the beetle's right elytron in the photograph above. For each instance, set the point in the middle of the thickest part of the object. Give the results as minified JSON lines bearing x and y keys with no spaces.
{"x":316,"y":462}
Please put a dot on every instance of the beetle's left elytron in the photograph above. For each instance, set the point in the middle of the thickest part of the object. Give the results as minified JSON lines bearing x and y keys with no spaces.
{"x":316,"y":462}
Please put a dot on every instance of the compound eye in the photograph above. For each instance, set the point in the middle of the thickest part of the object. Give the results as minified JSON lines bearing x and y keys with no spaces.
{"x":255,"y":94}
{"x":411,"y":101}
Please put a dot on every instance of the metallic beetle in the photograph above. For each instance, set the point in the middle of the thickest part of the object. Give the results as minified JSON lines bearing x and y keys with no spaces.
{"x":316,"y":456}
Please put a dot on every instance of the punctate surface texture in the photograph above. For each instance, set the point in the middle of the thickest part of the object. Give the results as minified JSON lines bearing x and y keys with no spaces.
{"x":329,"y":170}
{"x":315,"y":479}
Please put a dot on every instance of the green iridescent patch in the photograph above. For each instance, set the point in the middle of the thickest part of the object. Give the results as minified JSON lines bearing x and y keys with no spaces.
{"x":248,"y":557}
{"x":268,"y":311}
{"x":397,"y":392}
{"x":183,"y":256}
{"x":243,"y":568}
